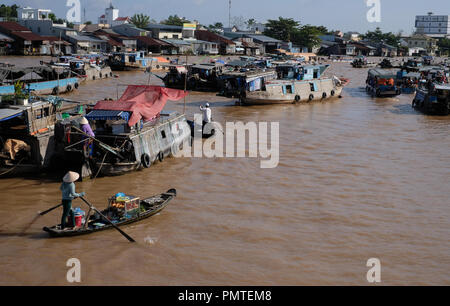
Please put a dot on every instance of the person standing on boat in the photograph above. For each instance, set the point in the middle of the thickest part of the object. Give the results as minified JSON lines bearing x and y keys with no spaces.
{"x":86,"y":128}
{"x":206,"y":114}
{"x":68,"y":194}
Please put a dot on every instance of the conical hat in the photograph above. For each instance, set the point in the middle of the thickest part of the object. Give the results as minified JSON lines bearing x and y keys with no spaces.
{"x":71,"y":177}
{"x":84,"y":121}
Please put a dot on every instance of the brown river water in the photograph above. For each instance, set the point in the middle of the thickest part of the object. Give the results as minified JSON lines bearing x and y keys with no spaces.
{"x":358,"y":178}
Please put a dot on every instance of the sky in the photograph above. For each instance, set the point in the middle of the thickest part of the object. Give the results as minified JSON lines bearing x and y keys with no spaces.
{"x":344,"y":15}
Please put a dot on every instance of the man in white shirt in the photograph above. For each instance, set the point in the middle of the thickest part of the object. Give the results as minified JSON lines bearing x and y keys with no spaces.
{"x":206,"y":114}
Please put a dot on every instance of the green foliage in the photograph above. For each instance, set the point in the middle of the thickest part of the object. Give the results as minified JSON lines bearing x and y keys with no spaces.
{"x":175,"y":20}
{"x":8,"y":12}
{"x":287,"y":29}
{"x":281,"y":29}
{"x":308,"y":36}
{"x":88,"y":22}
{"x":444,"y":45}
{"x":378,"y":36}
{"x":18,"y":91}
{"x":215,"y":27}
{"x":140,"y":20}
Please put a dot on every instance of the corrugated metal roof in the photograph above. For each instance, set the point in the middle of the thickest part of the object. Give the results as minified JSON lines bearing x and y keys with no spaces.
{"x":13,"y":26}
{"x":28,"y":36}
{"x":9,"y":113}
{"x":262,"y":38}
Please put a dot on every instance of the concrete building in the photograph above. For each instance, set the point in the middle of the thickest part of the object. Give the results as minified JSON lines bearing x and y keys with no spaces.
{"x":422,"y":41}
{"x":28,"y":13}
{"x":437,"y":26}
{"x":163,"y":31}
{"x":111,"y":17}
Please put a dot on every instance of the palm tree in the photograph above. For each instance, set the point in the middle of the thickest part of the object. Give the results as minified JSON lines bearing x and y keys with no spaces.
{"x":140,"y":20}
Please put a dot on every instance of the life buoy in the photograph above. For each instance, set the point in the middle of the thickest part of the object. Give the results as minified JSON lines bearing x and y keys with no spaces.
{"x":145,"y":160}
{"x":311,"y":97}
{"x":378,"y":92}
{"x":76,"y":85}
{"x":332,"y":93}
{"x":297,"y":98}
{"x":93,"y":77}
{"x":55,"y":91}
{"x":324,"y":95}
{"x":100,"y":74}
{"x":69,"y":88}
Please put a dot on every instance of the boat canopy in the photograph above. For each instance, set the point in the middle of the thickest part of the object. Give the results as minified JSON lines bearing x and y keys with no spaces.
{"x":383,"y":74}
{"x":142,"y":101}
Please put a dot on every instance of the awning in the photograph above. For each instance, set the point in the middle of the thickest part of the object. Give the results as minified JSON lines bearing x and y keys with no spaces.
{"x":108,"y":115}
{"x":8,"y":113}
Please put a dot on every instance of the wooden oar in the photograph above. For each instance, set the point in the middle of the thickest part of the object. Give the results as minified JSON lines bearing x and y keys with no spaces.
{"x":36,"y":217}
{"x":49,"y":210}
{"x":107,"y":220}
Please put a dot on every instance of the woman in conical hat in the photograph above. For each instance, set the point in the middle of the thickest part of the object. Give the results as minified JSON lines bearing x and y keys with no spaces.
{"x":68,"y":194}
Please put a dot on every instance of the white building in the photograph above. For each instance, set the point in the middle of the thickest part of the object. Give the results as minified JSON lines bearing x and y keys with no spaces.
{"x":433,"y":25}
{"x":111,"y":17}
{"x":28,"y":13}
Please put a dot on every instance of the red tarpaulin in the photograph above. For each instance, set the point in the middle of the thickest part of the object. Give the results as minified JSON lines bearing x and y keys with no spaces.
{"x":144,"y":102}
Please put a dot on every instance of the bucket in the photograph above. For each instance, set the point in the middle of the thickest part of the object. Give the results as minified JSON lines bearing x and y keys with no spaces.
{"x":78,"y":220}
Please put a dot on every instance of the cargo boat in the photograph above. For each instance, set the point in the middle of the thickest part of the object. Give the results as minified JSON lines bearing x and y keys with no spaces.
{"x":434,"y":100}
{"x":131,"y":133}
{"x":283,"y":92}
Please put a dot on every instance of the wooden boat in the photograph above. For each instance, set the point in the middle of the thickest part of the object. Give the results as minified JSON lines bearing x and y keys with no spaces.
{"x":130,"y":211}
{"x":282,"y":92}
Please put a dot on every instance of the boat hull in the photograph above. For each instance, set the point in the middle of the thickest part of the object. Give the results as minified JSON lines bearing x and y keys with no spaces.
{"x":302,"y":95}
{"x":45,"y":88}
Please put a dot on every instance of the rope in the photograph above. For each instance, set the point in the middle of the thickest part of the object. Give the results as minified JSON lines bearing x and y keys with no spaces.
{"x":9,"y":170}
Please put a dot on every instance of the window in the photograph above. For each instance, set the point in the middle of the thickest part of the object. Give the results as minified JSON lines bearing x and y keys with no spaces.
{"x":289,"y":89}
{"x":163,"y":134}
{"x":175,"y":36}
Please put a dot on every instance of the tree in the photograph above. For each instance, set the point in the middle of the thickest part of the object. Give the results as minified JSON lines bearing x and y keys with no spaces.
{"x":52,"y":17}
{"x":88,"y":22}
{"x":281,"y":29}
{"x":175,"y":20}
{"x":378,"y":36}
{"x":8,"y":12}
{"x":307,"y":36}
{"x":250,"y":22}
{"x":140,"y":20}
{"x":444,"y":46}
{"x":238,"y":21}
{"x":216,"y":28}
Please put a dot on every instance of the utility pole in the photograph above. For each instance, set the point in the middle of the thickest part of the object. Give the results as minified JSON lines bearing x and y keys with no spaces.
{"x":229,"y":16}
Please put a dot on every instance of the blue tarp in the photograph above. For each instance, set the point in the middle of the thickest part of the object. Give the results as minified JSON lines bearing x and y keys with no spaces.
{"x":108,"y":115}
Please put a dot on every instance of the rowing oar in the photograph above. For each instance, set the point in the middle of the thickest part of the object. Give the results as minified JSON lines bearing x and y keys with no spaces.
{"x":109,"y":221}
{"x":36,"y":217}
{"x":49,"y":210}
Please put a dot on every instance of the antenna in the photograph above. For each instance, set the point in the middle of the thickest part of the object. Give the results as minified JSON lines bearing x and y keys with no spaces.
{"x":229,"y":16}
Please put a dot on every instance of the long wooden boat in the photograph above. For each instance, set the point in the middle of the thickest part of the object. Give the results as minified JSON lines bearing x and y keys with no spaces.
{"x":143,"y":209}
